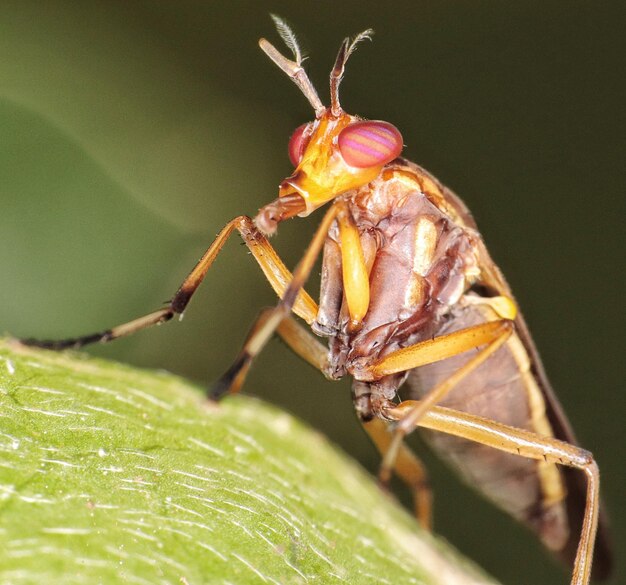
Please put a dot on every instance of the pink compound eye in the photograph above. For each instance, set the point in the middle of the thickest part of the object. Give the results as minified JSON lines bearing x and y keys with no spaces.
{"x":297,"y":143}
{"x":369,"y":143}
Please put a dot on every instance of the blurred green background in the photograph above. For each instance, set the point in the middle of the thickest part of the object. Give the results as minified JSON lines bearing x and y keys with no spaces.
{"x":131,"y":132}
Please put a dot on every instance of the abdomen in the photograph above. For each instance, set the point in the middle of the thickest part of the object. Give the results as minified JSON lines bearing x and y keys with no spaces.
{"x":501,"y":389}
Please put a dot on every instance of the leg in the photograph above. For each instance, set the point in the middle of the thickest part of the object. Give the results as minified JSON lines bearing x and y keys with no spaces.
{"x":408,"y":468}
{"x":432,"y":350}
{"x":493,"y":333}
{"x":355,"y":275}
{"x":303,"y":343}
{"x":525,"y":444}
{"x":262,"y":331}
{"x":298,"y":339}
{"x":267,"y":258}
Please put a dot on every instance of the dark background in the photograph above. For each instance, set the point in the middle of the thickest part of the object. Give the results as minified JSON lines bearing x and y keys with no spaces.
{"x":131,"y":132}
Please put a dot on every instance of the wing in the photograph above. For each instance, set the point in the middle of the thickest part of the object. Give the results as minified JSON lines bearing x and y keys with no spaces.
{"x":494,"y":283}
{"x":574,"y":479}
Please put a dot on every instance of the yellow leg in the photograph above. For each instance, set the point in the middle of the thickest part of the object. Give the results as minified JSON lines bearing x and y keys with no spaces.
{"x":493,"y":333}
{"x":356,"y":284}
{"x":408,"y":467}
{"x":304,"y":344}
{"x":267,"y":258}
{"x":299,"y":340}
{"x":525,"y":444}
{"x":432,"y":350}
{"x":269,"y":321}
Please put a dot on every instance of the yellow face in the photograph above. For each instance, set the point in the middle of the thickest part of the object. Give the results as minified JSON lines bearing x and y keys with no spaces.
{"x":336,"y":154}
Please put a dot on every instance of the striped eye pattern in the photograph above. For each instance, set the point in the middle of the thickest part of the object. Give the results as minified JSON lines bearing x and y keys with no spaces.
{"x":369,"y":143}
{"x":297,"y":143}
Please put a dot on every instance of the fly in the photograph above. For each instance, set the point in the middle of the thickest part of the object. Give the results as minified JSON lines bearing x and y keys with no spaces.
{"x":410,"y":300}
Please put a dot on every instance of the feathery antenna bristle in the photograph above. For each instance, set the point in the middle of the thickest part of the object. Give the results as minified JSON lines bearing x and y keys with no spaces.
{"x":336,"y":75}
{"x":293,"y":69}
{"x":298,"y":75}
{"x":289,"y":37}
{"x":366,"y":35}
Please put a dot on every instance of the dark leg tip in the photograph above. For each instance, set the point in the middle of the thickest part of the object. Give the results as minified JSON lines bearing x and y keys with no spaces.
{"x":231,"y":380}
{"x":72,"y":343}
{"x":44,"y":343}
{"x":219,"y":389}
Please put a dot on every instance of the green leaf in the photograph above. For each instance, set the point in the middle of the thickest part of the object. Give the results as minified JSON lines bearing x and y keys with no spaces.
{"x":111,"y":474}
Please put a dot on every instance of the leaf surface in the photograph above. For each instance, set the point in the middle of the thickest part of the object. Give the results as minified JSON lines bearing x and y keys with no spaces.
{"x":111,"y":474}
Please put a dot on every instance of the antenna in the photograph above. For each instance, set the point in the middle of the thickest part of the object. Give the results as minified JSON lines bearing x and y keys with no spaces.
{"x":293,"y":69}
{"x":336,"y":75}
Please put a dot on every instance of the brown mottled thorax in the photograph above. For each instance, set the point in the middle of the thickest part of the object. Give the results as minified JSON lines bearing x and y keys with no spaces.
{"x":420,"y":253}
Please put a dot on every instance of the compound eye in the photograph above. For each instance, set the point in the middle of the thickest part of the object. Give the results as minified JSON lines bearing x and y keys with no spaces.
{"x":369,"y":143}
{"x":297,"y":143}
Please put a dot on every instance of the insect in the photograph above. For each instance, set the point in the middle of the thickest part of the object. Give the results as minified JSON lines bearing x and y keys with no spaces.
{"x":411,"y":303}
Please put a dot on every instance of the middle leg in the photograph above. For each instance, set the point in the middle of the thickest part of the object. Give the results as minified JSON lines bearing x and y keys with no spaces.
{"x":407,"y":467}
{"x":492,"y":335}
{"x":269,"y":321}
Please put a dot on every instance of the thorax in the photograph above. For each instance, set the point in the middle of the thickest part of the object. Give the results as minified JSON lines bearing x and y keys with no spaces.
{"x":419,"y":245}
